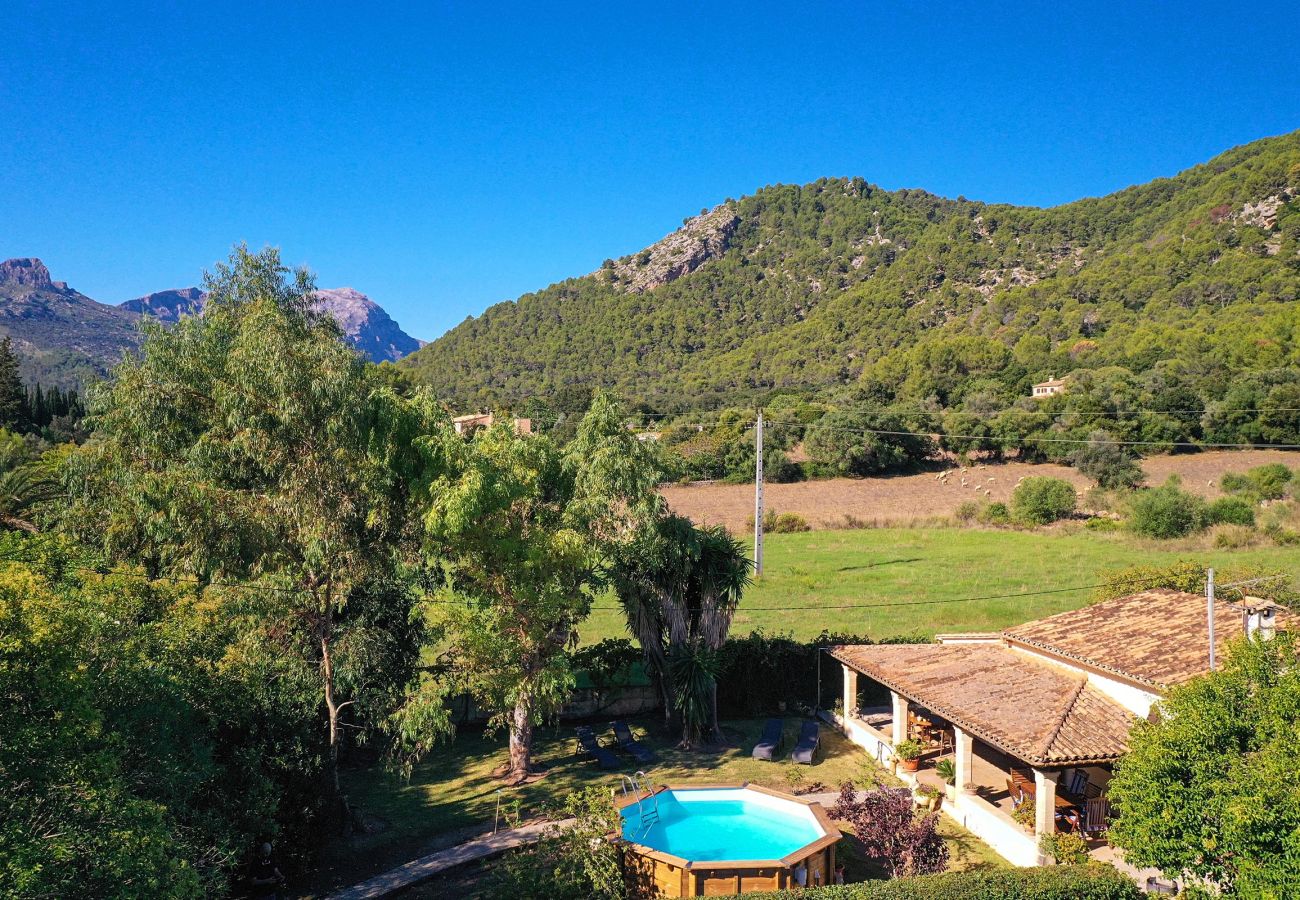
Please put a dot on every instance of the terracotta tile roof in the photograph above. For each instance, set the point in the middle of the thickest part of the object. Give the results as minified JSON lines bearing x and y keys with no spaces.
{"x":1035,"y":711}
{"x":1157,"y":637}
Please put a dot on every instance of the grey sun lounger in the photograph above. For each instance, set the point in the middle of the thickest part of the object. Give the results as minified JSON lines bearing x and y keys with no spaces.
{"x":589,"y":748}
{"x":630,"y":745}
{"x":769,"y":745}
{"x":809,"y":738}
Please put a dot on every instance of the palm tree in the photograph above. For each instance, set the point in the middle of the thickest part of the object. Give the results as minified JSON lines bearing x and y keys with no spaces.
{"x":679,"y":586}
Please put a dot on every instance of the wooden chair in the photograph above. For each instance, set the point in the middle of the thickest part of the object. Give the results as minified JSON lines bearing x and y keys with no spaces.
{"x":1091,"y":791}
{"x":1096,"y":815}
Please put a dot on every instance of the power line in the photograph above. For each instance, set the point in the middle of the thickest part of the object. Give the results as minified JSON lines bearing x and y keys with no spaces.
{"x":1036,"y":439}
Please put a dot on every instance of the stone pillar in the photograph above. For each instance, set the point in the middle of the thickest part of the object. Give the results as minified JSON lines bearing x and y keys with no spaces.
{"x":963,"y":756}
{"x":1045,"y":801}
{"x":850,"y":692}
{"x":900,"y":717}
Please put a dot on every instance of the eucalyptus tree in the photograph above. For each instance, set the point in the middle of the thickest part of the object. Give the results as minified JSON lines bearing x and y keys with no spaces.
{"x":680,"y":586}
{"x":522,"y":531}
{"x":250,"y":445}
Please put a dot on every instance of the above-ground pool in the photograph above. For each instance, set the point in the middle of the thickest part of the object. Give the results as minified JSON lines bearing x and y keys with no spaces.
{"x":682,"y":842}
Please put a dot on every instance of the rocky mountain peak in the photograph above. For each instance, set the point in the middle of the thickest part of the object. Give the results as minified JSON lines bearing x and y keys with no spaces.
{"x":26,"y":271}
{"x":168,"y":306}
{"x":700,"y":239}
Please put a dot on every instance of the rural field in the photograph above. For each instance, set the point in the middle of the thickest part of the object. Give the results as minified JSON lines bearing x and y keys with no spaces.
{"x":886,"y":582}
{"x":905,"y":499}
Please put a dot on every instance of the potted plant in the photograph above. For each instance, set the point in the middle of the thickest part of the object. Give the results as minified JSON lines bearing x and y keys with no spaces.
{"x":909,"y":753}
{"x":928,"y":796}
{"x":946,"y":769}
{"x":1026,"y":815}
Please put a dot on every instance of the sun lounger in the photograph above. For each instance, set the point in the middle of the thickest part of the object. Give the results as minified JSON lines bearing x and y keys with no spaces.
{"x":809,"y":738}
{"x":589,"y":748}
{"x":769,"y":745}
{"x":625,"y":742}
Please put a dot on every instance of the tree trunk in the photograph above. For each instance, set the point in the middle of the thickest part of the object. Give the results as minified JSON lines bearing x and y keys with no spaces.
{"x":331,"y":701}
{"x":714,"y":725}
{"x":521,"y":742}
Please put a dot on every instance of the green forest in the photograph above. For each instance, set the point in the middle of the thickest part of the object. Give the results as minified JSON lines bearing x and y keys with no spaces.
{"x":1180,"y":293}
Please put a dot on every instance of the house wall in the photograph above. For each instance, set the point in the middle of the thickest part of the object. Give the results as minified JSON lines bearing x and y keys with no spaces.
{"x":1136,"y":699}
{"x":997,"y":829}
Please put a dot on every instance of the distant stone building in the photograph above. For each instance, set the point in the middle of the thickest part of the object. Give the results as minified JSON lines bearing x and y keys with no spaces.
{"x":1049,"y":387}
{"x":471,"y":423}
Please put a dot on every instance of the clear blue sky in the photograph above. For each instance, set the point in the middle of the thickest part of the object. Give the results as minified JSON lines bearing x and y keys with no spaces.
{"x":442,"y":157}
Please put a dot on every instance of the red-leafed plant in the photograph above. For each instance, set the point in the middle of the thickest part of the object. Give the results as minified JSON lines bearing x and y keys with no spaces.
{"x":891,"y":832}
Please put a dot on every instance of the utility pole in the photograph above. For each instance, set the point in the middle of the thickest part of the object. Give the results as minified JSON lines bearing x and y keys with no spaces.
{"x":1209,"y":612}
{"x":758,"y":495}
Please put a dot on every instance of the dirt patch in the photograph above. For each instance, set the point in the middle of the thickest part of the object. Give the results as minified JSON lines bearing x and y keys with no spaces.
{"x":913,"y":499}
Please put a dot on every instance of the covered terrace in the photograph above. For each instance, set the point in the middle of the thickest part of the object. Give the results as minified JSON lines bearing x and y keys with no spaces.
{"x":1020,"y":730}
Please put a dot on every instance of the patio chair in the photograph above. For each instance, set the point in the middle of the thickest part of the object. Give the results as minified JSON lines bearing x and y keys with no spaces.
{"x":1078,"y":783}
{"x":590,"y":748}
{"x":769,"y":745}
{"x":627,"y":743}
{"x":1015,"y":793}
{"x":1096,"y":815}
{"x":809,"y":738}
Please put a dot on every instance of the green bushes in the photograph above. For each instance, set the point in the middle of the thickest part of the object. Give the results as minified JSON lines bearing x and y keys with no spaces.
{"x":1231,"y":511}
{"x":1268,"y":482}
{"x":1167,"y":511}
{"x":1107,"y":463}
{"x":1039,"y":500}
{"x":1088,"y":882}
{"x":1067,"y":848}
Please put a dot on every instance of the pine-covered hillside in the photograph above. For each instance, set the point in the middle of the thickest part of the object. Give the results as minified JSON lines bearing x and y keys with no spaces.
{"x":805,"y":289}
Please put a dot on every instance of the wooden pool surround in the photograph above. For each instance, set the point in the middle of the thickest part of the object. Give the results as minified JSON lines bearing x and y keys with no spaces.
{"x":652,"y":873}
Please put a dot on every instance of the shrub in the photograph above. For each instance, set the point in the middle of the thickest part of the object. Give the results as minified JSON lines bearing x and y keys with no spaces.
{"x":1067,"y":849}
{"x":1039,"y":500}
{"x":1231,"y":511}
{"x":890,"y":832}
{"x":787,"y":523}
{"x":1267,"y":482}
{"x":1234,"y":537}
{"x":967,"y":511}
{"x":1094,"y":881}
{"x":573,"y":864}
{"x":1108,"y":464}
{"x":995,"y":514}
{"x":1101,"y":523}
{"x":1167,"y":512}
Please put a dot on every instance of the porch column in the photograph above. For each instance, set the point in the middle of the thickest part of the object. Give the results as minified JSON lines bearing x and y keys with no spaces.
{"x":900,"y":717}
{"x":1045,"y":800}
{"x":963,"y":754}
{"x":850,"y":692}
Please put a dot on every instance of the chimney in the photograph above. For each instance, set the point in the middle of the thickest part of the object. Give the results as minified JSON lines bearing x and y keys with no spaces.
{"x":1259,"y":618}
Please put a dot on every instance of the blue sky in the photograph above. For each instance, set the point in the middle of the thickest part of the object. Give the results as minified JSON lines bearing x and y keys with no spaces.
{"x":443,"y":157}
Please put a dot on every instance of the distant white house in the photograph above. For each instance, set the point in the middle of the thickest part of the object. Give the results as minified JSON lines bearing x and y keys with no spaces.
{"x":1049,"y":387}
{"x":475,"y":421}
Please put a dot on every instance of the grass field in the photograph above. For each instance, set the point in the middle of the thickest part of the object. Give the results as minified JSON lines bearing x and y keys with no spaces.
{"x":454,"y":792}
{"x":810,"y":576}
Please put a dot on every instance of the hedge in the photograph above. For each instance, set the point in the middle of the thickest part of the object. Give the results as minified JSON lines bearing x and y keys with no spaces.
{"x":1088,"y":882}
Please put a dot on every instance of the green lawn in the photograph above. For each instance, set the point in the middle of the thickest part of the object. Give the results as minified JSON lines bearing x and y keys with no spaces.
{"x":819,"y":570}
{"x":454,"y":790}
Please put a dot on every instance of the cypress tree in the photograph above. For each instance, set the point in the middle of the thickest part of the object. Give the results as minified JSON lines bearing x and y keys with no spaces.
{"x":13,"y":412}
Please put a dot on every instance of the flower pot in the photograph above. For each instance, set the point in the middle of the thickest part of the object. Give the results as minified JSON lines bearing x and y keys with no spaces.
{"x":950,"y":791}
{"x":910,"y":765}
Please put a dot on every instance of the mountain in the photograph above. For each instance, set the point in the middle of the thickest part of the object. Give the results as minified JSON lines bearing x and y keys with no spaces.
{"x":907,"y":295}
{"x":65,"y":338}
{"x":364,"y":322}
{"x":62,"y":336}
{"x":367,"y":326}
{"x":168,"y":306}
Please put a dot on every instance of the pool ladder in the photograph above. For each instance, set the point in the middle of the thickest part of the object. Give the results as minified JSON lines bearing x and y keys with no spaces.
{"x":648,"y":814}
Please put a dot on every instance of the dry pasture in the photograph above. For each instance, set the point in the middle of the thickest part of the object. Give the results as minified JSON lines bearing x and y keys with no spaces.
{"x":909,"y":499}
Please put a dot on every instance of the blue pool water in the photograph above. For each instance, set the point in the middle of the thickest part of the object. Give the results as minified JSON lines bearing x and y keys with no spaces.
{"x":723,"y":824}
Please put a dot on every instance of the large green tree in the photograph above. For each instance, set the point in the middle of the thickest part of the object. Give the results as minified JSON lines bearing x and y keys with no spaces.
{"x":251,"y":445}
{"x":1212,"y":787}
{"x":679,"y":586}
{"x":522,"y":530}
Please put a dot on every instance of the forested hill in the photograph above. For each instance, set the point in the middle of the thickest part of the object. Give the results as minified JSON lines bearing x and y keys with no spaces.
{"x":805,"y":289}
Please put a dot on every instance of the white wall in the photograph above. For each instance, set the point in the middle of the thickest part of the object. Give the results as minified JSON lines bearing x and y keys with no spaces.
{"x":1135,"y":699}
{"x":997,"y":829}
